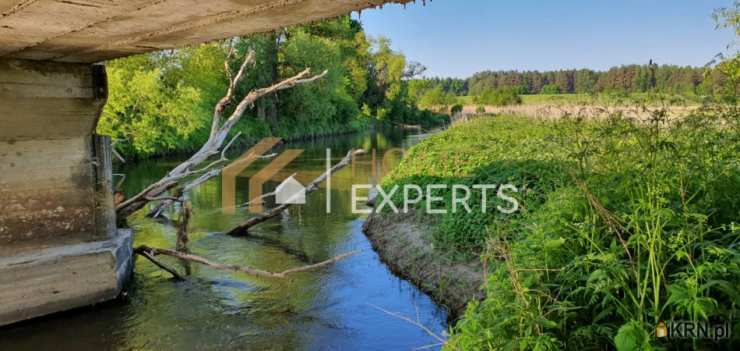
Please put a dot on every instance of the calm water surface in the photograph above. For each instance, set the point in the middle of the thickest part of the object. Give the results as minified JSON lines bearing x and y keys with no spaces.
{"x":330,"y":309}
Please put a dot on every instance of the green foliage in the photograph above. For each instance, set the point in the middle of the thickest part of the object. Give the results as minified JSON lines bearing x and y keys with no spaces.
{"x":436,"y":97}
{"x":151,"y":114}
{"x":622,"y":224}
{"x":501,"y":97}
{"x":666,"y":79}
{"x":162,"y":103}
{"x":452,"y":86}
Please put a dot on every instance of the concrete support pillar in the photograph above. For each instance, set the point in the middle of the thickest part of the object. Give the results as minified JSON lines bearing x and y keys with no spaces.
{"x":59,"y":247}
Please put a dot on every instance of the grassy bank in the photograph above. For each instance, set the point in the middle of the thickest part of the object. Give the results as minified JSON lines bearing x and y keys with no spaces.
{"x":620,"y":226}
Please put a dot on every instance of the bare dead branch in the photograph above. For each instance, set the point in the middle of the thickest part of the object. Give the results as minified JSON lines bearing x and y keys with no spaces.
{"x":164,"y":197}
{"x":162,"y":266}
{"x":233,"y":82}
{"x":243,"y":228}
{"x":416,"y":323}
{"x":243,"y":269}
{"x":115,"y":153}
{"x":118,"y":156}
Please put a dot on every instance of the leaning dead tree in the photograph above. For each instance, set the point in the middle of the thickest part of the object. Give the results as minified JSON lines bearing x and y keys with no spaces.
{"x":191,"y":169}
{"x":192,"y":172}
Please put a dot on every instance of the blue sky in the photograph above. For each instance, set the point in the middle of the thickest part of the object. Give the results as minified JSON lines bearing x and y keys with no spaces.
{"x":460,"y":37}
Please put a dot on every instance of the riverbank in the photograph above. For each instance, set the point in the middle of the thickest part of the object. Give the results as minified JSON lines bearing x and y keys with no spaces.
{"x":403,"y":242}
{"x":606,"y":213}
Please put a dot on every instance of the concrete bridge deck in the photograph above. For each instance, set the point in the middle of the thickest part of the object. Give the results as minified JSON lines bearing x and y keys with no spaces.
{"x":59,"y":246}
{"x":89,"y":31}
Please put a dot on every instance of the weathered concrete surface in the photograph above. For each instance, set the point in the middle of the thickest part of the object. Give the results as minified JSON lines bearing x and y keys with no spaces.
{"x":59,"y":248}
{"x":95,"y":30}
{"x":36,"y":282}
{"x":48,"y":112}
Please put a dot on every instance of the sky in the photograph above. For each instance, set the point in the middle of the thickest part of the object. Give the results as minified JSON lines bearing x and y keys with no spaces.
{"x":456,"y":38}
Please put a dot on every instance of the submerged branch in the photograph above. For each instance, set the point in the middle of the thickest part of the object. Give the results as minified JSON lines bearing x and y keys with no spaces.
{"x":153,"y":251}
{"x":416,"y":323}
{"x":150,"y":257}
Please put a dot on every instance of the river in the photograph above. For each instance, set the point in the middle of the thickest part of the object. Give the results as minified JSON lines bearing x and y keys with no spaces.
{"x":336,"y":308}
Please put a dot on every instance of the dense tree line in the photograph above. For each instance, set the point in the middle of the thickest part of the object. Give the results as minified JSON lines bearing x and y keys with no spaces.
{"x":651,"y":77}
{"x":162,"y":103}
{"x":625,"y":79}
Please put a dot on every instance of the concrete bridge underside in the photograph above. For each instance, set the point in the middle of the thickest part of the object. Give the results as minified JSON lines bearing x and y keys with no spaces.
{"x":59,"y":246}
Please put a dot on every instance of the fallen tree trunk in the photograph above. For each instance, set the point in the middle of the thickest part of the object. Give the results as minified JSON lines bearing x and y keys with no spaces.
{"x":150,"y":252}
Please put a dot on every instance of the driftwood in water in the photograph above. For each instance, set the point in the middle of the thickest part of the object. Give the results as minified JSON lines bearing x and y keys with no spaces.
{"x":147,"y":251}
{"x":146,"y":254}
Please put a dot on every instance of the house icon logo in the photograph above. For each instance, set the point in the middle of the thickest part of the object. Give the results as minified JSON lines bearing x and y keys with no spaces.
{"x":290,"y":191}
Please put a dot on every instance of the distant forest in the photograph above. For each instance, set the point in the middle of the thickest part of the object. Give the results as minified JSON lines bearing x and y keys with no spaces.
{"x":623,"y":79}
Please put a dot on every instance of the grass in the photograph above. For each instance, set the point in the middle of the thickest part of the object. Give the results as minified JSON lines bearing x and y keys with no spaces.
{"x":622,"y":225}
